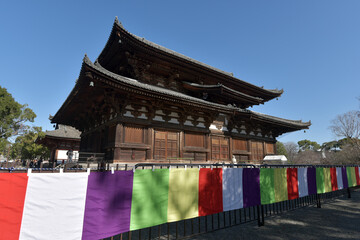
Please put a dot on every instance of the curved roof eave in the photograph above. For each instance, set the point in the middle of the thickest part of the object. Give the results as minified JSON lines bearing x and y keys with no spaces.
{"x":298,"y":124}
{"x":271,"y":93}
{"x":254,"y":100}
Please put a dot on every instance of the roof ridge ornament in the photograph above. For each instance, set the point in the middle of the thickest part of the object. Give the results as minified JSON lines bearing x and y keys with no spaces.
{"x":86,"y":58}
{"x":117,"y":22}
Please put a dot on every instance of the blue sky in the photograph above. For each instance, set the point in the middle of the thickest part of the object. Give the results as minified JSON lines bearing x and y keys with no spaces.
{"x":311,"y":49}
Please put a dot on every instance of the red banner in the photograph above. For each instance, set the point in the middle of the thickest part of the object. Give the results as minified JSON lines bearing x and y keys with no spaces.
{"x":357,"y":175}
{"x":12,"y":198}
{"x":292,"y":183}
{"x":210,"y":191}
{"x":334,"y":185}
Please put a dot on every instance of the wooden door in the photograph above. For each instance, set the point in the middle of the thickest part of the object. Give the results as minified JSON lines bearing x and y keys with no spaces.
{"x":257,"y":150}
{"x":220,"y":148}
{"x":166,"y":145}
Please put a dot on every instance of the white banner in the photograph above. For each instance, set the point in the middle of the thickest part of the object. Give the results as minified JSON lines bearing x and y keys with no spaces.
{"x":232,"y":188}
{"x":54,"y":206}
{"x":303,"y":182}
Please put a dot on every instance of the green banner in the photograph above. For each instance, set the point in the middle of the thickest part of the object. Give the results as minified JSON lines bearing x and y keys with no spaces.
{"x":267,"y":190}
{"x":353,"y":176}
{"x":327,"y":180}
{"x":149,"y":198}
{"x":320,"y":183}
{"x":183,"y":194}
{"x":280,"y":183}
{"x":349,"y":174}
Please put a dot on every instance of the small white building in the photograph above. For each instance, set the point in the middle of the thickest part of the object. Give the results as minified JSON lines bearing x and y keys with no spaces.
{"x":275,"y":159}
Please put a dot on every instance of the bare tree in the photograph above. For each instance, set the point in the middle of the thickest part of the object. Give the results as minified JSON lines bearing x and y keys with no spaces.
{"x":349,"y":154}
{"x":308,"y":157}
{"x":291,"y":149}
{"x":346,"y":125}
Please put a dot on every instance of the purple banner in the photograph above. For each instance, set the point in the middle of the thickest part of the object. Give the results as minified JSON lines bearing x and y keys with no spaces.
{"x":251,"y":187}
{"x":344,"y":177}
{"x":108,"y":204}
{"x":311,"y":177}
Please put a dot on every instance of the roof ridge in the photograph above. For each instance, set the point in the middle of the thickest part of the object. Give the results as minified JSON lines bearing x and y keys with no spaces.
{"x":158,"y":46}
{"x":191,"y":60}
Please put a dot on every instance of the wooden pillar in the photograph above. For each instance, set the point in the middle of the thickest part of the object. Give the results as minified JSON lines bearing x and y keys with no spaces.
{"x":150,"y":142}
{"x":230,"y":148}
{"x":181,"y":144}
{"x":118,"y":140}
{"x":208,"y":147}
{"x":52,"y":155}
{"x":264,"y":151}
{"x":275,"y":148}
{"x":250,"y":150}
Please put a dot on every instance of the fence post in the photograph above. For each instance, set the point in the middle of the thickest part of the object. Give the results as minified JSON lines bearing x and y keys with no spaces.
{"x":260,"y":215}
{"x":318,"y":201}
{"x":349,"y":192}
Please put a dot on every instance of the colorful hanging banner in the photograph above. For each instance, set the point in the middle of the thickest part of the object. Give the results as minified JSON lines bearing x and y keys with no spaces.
{"x":292,"y":183}
{"x":339,"y":178}
{"x":251,"y":187}
{"x":303,"y":182}
{"x":334,"y":184}
{"x":232,"y":189}
{"x":349,"y":176}
{"x":12,"y":198}
{"x":327,"y":179}
{"x":108,"y":204}
{"x":353,"y":176}
{"x":357,"y":175}
{"x":183,"y":194}
{"x":210,"y":191}
{"x":104,"y":204}
{"x":149,"y":198}
{"x":54,"y":206}
{"x":344,"y":177}
{"x":280,"y":184}
{"x":320,"y":184}
{"x":311,"y":174}
{"x":267,"y":187}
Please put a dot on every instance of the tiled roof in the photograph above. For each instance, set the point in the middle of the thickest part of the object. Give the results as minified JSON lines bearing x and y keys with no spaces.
{"x":221,"y":86}
{"x":64,"y":131}
{"x":159,"y":90}
{"x":172,"y":94}
{"x":297,"y":123}
{"x":184,"y":58}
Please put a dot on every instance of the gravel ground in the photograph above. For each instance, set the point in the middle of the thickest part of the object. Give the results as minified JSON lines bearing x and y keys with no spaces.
{"x":337,"y":219}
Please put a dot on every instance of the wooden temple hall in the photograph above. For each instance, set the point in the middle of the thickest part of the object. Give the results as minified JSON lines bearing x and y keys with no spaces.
{"x":141,"y":102}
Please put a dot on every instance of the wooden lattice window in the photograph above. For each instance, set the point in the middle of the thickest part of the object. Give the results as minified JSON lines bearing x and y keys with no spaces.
{"x":219,"y":148}
{"x":166,"y":145}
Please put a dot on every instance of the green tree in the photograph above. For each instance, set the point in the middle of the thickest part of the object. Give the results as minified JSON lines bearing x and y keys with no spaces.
{"x":280,"y":149}
{"x":25,"y":147}
{"x":308,"y":145}
{"x":13,"y":118}
{"x":333,"y":145}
